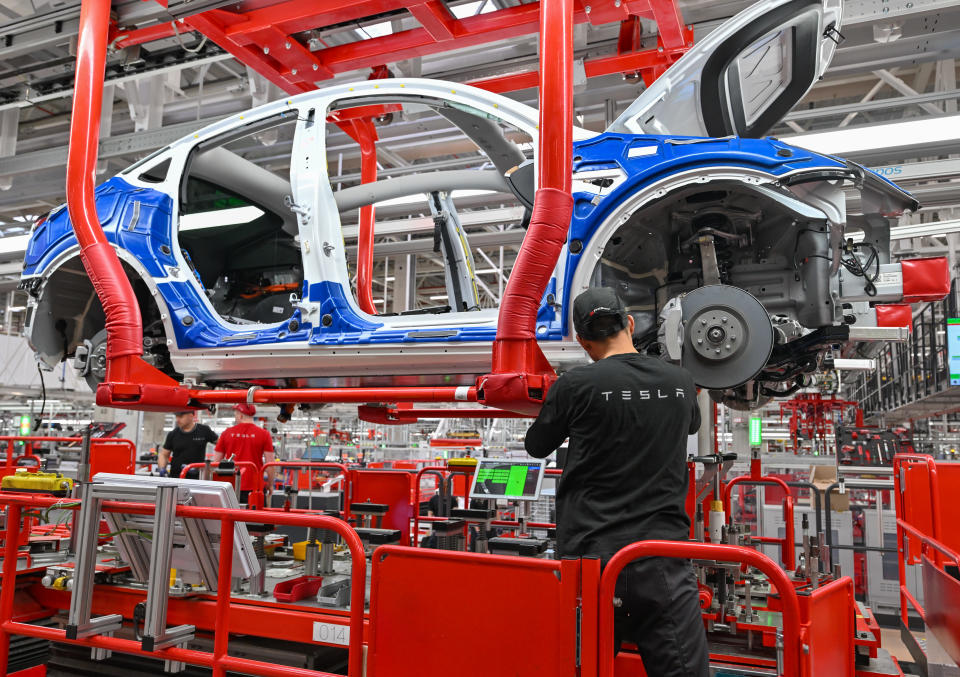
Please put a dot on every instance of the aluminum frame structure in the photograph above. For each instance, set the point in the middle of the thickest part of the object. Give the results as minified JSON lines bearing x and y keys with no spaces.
{"x":156,"y":635}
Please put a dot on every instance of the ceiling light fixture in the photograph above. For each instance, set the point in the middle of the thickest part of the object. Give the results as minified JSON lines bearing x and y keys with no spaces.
{"x":925,"y":130}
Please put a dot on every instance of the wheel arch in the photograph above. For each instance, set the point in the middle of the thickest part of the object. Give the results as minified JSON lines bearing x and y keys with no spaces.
{"x":67,"y":309}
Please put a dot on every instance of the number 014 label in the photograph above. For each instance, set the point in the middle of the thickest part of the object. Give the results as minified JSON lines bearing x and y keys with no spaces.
{"x":331,"y":633}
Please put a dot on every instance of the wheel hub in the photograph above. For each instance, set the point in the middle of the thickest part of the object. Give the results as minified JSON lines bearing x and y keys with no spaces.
{"x":727,"y":336}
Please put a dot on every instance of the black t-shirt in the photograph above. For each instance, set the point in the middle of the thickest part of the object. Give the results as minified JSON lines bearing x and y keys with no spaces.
{"x":187,"y":448}
{"x":625,"y":474}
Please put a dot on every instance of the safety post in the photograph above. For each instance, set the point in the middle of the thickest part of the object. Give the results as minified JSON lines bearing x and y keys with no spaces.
{"x":787,"y":547}
{"x":219,"y":661}
{"x":700,"y":551}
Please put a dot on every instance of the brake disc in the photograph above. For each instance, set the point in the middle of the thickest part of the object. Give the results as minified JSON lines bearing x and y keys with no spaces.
{"x":727,"y":338}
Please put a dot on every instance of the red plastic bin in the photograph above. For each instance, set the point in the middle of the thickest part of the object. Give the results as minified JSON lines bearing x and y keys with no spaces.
{"x":297,"y":588}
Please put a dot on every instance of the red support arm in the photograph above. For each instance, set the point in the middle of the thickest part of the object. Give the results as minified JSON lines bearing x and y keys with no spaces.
{"x":128,"y":376}
{"x":670,"y":24}
{"x":395,"y":415}
{"x":99,"y":259}
{"x":521,"y":375}
{"x":365,"y":134}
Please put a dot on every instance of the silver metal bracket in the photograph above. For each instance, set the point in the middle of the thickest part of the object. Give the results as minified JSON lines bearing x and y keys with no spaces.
{"x":879,"y":333}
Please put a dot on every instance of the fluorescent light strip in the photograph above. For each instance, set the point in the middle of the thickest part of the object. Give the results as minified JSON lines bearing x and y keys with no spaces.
{"x":221,"y":217}
{"x":877,"y":137}
{"x":917,"y":230}
{"x":14,"y":245}
{"x":422,"y":199}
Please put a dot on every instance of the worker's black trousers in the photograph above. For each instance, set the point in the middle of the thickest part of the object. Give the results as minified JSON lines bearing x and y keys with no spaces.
{"x":660,"y":613}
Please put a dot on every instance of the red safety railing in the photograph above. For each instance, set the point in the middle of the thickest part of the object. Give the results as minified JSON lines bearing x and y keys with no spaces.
{"x":928,"y":542}
{"x":256,"y":496}
{"x":416,"y":497}
{"x":701,"y":551}
{"x":348,"y":475}
{"x":12,"y":462}
{"x":787,"y":547}
{"x":218,"y":660}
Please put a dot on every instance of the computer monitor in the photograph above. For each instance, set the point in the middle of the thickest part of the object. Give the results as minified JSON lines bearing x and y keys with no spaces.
{"x":503,"y":478}
{"x":953,"y":349}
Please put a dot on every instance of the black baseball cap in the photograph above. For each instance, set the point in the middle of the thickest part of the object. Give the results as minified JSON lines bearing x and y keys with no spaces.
{"x":598,"y":313}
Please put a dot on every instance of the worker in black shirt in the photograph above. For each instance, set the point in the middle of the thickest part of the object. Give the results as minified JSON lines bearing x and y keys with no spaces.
{"x":625,"y":479}
{"x":187,"y":443}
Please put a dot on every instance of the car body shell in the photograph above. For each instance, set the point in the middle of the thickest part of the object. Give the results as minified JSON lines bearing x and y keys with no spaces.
{"x":328,"y":339}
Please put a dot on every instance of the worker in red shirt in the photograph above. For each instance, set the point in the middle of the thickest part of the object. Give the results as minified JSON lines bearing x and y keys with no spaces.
{"x":246,"y":441}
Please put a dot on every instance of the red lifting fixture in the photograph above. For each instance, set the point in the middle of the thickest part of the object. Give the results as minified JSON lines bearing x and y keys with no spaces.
{"x":128,"y":378}
{"x":263,"y":39}
{"x":521,"y":375}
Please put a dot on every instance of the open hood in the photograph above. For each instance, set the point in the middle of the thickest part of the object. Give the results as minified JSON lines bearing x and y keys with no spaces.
{"x":742,"y":78}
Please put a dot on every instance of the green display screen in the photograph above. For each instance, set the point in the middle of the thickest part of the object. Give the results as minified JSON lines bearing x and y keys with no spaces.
{"x":953,"y":350}
{"x":755,"y":436}
{"x":496,"y":478}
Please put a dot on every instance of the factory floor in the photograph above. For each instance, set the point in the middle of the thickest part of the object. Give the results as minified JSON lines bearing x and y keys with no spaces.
{"x":890,"y":640}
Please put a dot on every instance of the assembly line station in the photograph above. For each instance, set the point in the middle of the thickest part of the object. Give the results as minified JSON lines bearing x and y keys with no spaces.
{"x":352,"y":232}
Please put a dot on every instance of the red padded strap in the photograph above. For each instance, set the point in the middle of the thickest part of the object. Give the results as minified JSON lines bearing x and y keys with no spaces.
{"x":925,"y":279}
{"x":894,"y":315}
{"x":549,"y":224}
{"x":119,"y":302}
